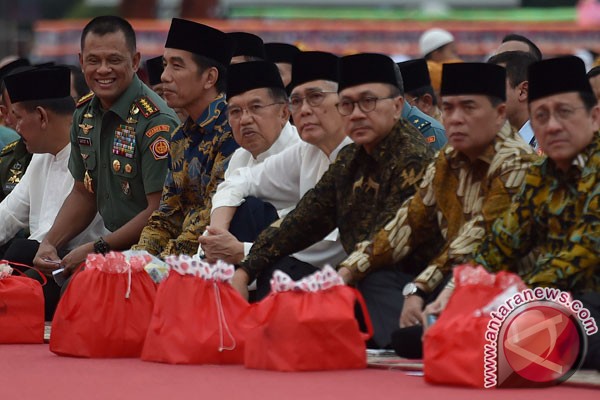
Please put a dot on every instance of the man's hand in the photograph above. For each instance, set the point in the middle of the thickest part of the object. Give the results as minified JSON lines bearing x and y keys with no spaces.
{"x":412,"y":311}
{"x":75,"y":257}
{"x":240,"y":282}
{"x":219,"y":244}
{"x":345,"y":274}
{"x":437,"y":306}
{"x":46,"y":252}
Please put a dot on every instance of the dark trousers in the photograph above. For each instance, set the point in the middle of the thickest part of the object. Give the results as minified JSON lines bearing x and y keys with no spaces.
{"x":23,"y":251}
{"x":251,"y":218}
{"x":591,"y":301}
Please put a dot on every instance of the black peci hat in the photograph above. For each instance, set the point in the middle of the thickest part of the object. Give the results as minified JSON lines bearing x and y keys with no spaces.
{"x":251,"y":75}
{"x":363,"y":68}
{"x":8,"y":68}
{"x":415,"y":74}
{"x":314,"y":65}
{"x":200,"y":39}
{"x":155,"y":68}
{"x":281,"y":52}
{"x":473,"y":78}
{"x":248,"y":44}
{"x":557,"y":75}
{"x":39,"y":84}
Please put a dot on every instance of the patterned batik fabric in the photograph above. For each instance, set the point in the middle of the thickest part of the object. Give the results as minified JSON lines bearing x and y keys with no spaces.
{"x":358,"y":194}
{"x":198,"y":158}
{"x":558,"y":213}
{"x":458,"y":200}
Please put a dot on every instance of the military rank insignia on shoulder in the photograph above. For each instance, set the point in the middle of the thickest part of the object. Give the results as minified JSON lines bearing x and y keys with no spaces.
{"x":146,"y":106}
{"x":9,"y":148}
{"x":84,"y":99}
{"x":419,"y":123}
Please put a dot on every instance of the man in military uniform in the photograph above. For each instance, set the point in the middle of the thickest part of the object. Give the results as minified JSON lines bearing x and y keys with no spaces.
{"x":361,"y":191}
{"x":430,"y":128}
{"x":417,"y":87}
{"x":196,"y":57}
{"x":120,"y":143}
{"x":14,"y":157}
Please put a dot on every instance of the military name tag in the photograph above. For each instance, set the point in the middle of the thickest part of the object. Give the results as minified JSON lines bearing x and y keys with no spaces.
{"x":85,"y":141}
{"x":124,"y":142}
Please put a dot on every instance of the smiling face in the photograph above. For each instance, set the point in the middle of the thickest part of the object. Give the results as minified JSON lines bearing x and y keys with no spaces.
{"x":471,"y":122}
{"x":108,"y":65}
{"x":562,"y":126}
{"x":256,"y":130}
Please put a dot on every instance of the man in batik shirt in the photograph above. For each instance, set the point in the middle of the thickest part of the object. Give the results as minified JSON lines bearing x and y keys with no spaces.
{"x":195,"y":60}
{"x":556,"y":210}
{"x":361,"y":191}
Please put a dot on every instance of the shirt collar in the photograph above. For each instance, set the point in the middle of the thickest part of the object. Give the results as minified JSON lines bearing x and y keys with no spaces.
{"x":209,"y":117}
{"x":123,"y":104}
{"x":457,"y":159}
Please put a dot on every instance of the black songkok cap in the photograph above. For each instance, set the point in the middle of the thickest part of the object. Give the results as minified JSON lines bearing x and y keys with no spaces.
{"x":367,"y":68}
{"x":246,"y":76}
{"x":247,"y":44}
{"x":314,"y":65}
{"x":473,"y":78}
{"x":281,"y":52}
{"x":415,"y":74}
{"x":39,"y":84}
{"x":155,"y":68}
{"x":557,"y":75}
{"x":18,"y":63}
{"x":200,"y":39}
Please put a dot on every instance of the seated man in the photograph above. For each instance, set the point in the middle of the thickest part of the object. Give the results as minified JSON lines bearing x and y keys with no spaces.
{"x":284,"y":178}
{"x":419,"y":92}
{"x":556,"y":209}
{"x":464,"y":190}
{"x":43,"y":112}
{"x":360,"y":192}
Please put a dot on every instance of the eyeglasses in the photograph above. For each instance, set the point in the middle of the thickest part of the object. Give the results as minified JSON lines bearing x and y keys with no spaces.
{"x":314,"y":99}
{"x":235,"y":112}
{"x":562,"y":113}
{"x":366,"y":104}
{"x":412,"y":100}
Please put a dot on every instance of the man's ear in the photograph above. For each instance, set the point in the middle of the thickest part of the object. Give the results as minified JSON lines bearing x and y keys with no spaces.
{"x":523,"y":88}
{"x":43,"y":116}
{"x":426,"y":103}
{"x":212,"y":75}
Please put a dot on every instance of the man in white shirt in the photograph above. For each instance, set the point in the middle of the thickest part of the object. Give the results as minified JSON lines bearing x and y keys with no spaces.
{"x":258,"y":115}
{"x":283,"y":179}
{"x":42,"y":109}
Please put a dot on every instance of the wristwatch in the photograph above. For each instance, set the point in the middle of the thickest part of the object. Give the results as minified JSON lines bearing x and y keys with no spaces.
{"x":411,"y":289}
{"x":101,"y":247}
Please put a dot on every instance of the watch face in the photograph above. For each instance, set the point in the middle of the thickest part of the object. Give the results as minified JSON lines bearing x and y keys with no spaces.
{"x":409,"y":288}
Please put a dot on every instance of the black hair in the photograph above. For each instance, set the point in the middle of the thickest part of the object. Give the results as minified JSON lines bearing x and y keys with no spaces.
{"x":205,"y":63}
{"x":110,"y":24}
{"x":516,"y":65}
{"x":279,"y":95}
{"x":60,"y":106}
{"x":397,"y":90}
{"x":495,"y":101}
{"x":79,"y":82}
{"x":589,"y":100}
{"x":533,"y":49}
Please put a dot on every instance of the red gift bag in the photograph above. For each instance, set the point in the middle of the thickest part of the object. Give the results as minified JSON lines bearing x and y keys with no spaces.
{"x":308,"y":325}
{"x":196,"y":317}
{"x":21,"y":308}
{"x":453,"y":347}
{"x":105,"y":310}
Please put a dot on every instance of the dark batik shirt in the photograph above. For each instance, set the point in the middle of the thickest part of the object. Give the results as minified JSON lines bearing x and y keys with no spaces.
{"x":558,"y":213}
{"x":198,"y":158}
{"x":358,"y":194}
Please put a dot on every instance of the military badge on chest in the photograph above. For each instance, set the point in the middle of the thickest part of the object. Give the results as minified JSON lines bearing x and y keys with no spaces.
{"x":124,"y":142}
{"x":16,"y":173}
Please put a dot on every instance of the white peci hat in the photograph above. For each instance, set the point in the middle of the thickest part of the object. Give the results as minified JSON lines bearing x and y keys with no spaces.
{"x":432,"y":39}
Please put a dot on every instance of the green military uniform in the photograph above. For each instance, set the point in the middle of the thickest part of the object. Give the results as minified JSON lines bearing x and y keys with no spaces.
{"x":14,"y":160}
{"x":430,"y":128}
{"x":121,"y":154}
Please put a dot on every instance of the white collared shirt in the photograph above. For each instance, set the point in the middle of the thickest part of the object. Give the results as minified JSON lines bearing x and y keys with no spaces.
{"x":37,"y":198}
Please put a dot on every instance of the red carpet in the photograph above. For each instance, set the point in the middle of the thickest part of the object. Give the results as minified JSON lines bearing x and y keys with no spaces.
{"x":31,"y":372}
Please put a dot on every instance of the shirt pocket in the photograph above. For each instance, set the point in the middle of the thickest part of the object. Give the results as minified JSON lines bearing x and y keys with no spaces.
{"x":124,"y":170}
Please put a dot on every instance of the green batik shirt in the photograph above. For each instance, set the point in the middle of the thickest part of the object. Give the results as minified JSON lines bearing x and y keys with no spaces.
{"x":200,"y":152}
{"x":14,"y":160}
{"x":121,"y":154}
{"x":557,"y":213}
{"x":358,"y":194}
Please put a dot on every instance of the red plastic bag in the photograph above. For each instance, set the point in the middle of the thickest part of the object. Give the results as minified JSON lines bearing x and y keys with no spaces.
{"x":196,"y":321}
{"x":21,"y":309}
{"x":308,"y":330}
{"x":105,"y":311}
{"x":453,"y":347}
